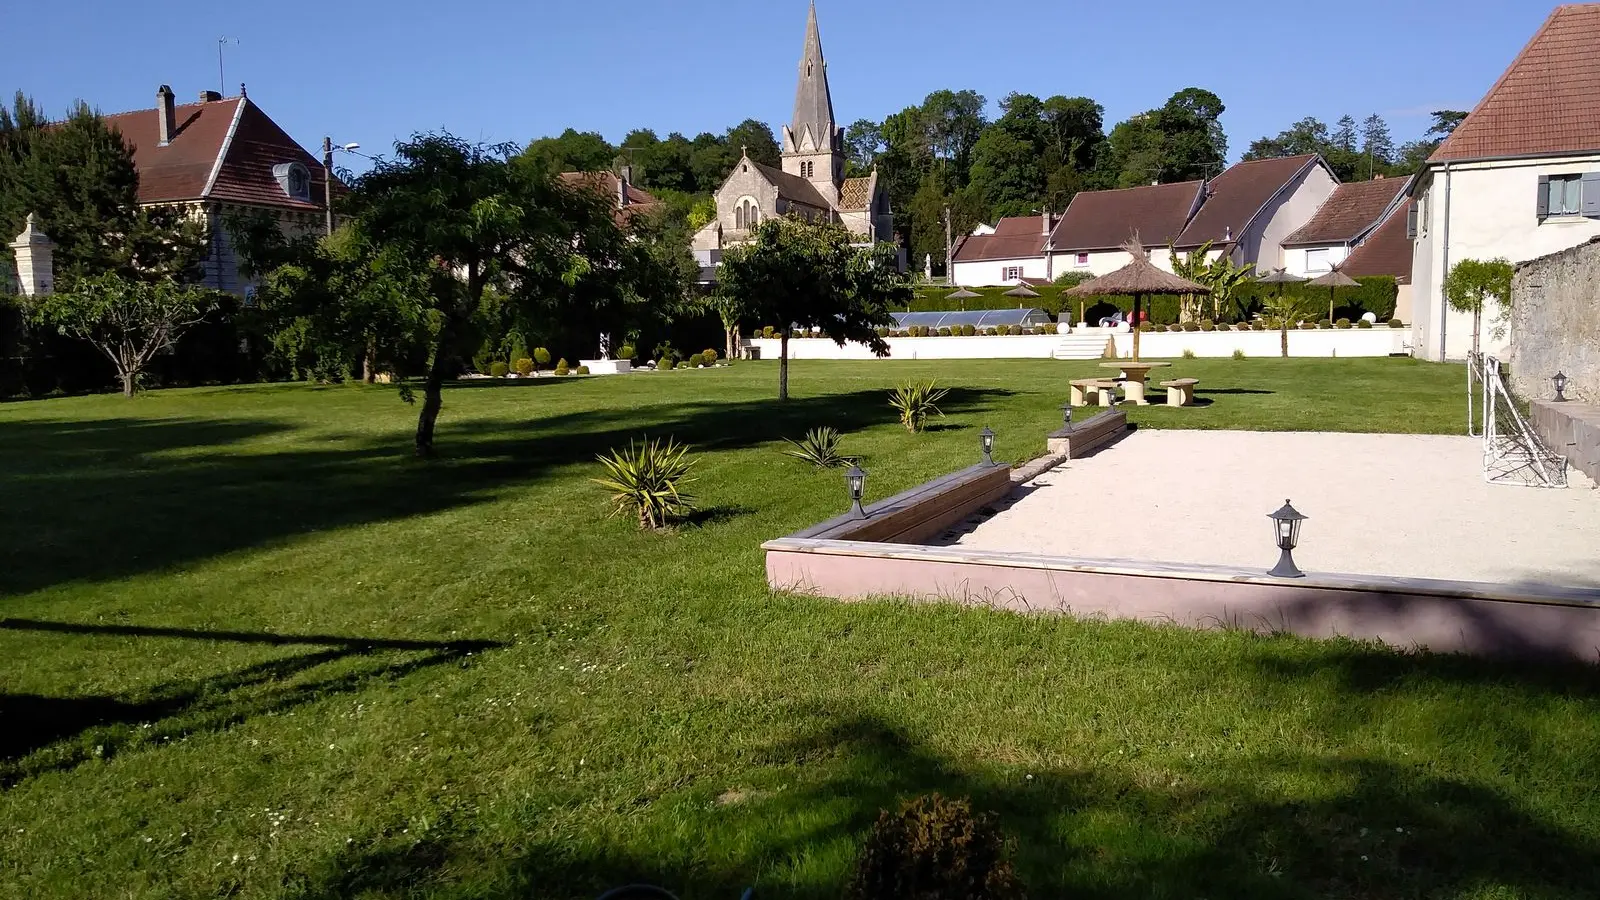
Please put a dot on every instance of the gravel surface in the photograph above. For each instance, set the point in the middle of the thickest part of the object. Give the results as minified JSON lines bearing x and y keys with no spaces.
{"x":1381,"y":504}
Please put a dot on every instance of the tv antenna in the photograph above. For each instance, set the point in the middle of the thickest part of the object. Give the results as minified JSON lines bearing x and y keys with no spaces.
{"x":222,"y":83}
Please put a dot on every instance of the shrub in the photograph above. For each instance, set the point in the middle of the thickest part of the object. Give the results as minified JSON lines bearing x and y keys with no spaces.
{"x":969,"y":330}
{"x":1146,"y":327}
{"x":647,"y":481}
{"x":1396,"y":323}
{"x":1174,"y":327}
{"x":541,"y":357}
{"x":1324,"y":324}
{"x":710,"y":356}
{"x":766,"y":331}
{"x":1307,"y":326}
{"x":524,"y":367}
{"x":562,"y":368}
{"x":581,"y":370}
{"x":944,"y":332}
{"x":883,"y":332}
{"x":1260,"y":325}
{"x":664,"y":364}
{"x":627,"y":352}
{"x":498,"y":369}
{"x":820,"y":448}
{"x":933,"y":849}
{"x":915,"y":402}
{"x":1191,"y":326}
{"x":1363,"y":323}
{"x":1051,"y":328}
{"x":1342,"y":323}
{"x":1187,"y":353}
{"x":1238,"y":354}
{"x":1207,"y":325}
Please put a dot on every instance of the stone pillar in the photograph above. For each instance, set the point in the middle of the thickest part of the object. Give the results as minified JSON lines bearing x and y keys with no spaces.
{"x":35,"y":263}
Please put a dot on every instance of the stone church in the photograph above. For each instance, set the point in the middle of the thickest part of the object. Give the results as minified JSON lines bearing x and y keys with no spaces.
{"x":811,"y":183}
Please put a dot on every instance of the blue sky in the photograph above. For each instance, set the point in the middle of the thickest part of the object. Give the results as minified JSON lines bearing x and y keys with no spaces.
{"x":512,"y":70}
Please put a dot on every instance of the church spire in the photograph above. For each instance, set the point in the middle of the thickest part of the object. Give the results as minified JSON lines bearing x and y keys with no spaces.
{"x":813,"y":106}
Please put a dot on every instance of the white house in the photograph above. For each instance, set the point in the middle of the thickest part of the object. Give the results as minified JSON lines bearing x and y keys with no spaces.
{"x":1349,"y":217}
{"x":1091,"y":233}
{"x":1011,"y":252}
{"x":1253,"y":207}
{"x":1519,"y":178}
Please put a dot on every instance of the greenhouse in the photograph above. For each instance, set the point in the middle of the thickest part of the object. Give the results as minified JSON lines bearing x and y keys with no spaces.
{"x":977,"y":318}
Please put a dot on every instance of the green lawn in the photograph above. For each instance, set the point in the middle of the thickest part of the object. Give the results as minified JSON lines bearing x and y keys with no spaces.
{"x":251,"y":648}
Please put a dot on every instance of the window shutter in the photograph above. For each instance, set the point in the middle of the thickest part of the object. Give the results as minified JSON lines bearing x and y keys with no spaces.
{"x":1591,"y":195}
{"x":1543,"y":200}
{"x":1411,"y":223}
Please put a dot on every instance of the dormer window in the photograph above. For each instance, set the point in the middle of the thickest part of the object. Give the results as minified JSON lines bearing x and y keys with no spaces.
{"x":294,"y":180}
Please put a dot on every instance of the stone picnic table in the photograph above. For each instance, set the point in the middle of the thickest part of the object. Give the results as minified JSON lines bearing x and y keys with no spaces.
{"x":1134,"y":375}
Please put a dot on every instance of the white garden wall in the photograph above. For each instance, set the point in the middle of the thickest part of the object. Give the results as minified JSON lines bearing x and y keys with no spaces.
{"x":1381,"y":341}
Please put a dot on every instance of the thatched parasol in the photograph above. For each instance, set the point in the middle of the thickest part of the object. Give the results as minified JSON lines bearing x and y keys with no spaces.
{"x":1280,"y":278}
{"x":1023,"y":291}
{"x":1334,"y":280}
{"x":962,"y":295}
{"x":1140,"y":278}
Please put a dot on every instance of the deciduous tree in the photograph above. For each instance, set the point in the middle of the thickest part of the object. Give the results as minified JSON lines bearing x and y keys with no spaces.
{"x":128,"y":321}
{"x":1474,"y":283}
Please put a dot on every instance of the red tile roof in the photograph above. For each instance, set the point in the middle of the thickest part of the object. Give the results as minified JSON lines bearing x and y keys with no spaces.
{"x":1353,"y":209}
{"x":221,"y":150}
{"x":1105,"y":220}
{"x":1387,"y":251}
{"x":1016,"y":237}
{"x":639,"y":200}
{"x":1547,"y":102}
{"x":1237,"y":195}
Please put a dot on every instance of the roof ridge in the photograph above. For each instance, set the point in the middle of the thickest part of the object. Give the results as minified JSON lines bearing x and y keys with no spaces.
{"x":146,"y":109}
{"x":227,"y":145}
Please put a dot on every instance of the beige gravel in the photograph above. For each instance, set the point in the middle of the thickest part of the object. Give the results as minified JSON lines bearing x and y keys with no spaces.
{"x":1383,"y":504}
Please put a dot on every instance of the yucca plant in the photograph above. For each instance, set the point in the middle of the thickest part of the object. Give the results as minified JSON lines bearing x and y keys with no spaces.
{"x":917,"y":401}
{"x":820,"y":448}
{"x":647,"y":481}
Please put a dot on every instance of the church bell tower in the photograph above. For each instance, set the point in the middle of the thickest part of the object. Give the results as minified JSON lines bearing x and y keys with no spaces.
{"x":813,"y":145}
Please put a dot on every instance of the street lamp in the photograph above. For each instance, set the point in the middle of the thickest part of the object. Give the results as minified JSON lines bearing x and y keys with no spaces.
{"x":986,"y":441}
{"x":1560,"y":382}
{"x":1286,"y":525}
{"x":328,"y":146}
{"x":856,"y":479}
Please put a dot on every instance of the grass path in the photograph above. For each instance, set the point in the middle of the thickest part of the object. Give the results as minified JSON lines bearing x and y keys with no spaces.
{"x":250,"y":648}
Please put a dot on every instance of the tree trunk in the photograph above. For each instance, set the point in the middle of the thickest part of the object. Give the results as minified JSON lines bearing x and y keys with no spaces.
{"x":1283,"y":335}
{"x":732,"y":332}
{"x":129,"y":383}
{"x":1136,"y":299}
{"x":369,"y":373}
{"x":783,"y":365}
{"x":433,"y":389}
{"x":1477,"y":328}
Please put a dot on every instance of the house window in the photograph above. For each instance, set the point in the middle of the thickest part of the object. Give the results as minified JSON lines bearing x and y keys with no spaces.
{"x":1081,"y":260}
{"x":1317,"y":260}
{"x":1563,"y":195}
{"x":1011,"y":273}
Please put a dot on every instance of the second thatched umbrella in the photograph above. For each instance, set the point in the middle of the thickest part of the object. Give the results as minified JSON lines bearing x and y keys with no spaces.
{"x":962,"y":295}
{"x":1022,"y":291}
{"x":1334,"y":280}
{"x":1139,"y":279}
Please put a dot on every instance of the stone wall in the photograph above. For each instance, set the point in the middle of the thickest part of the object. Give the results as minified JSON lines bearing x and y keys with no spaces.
{"x":1555,"y":324}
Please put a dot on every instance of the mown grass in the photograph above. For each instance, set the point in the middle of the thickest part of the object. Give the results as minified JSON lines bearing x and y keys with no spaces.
{"x":251,"y":648}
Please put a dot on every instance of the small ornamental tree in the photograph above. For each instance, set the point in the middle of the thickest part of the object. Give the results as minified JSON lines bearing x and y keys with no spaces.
{"x":128,"y":321}
{"x":809,"y":276}
{"x":1471,"y":284}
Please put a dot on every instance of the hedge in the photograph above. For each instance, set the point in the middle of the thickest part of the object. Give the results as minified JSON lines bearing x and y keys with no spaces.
{"x":1377,"y":295}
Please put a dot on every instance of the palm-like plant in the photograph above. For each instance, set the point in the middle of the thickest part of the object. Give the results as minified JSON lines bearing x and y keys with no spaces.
{"x":647,"y":481}
{"x":820,"y":448}
{"x":1287,"y":308}
{"x":1224,"y":278}
{"x":916,"y":402}
{"x":1195,"y":267}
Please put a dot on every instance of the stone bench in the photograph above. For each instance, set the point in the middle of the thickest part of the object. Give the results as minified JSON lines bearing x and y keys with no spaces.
{"x":1180,"y":391}
{"x":1104,"y":388}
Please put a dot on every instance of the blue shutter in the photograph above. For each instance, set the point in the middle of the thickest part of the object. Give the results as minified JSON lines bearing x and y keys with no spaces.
{"x":1543,"y":201}
{"x":1591,"y":195}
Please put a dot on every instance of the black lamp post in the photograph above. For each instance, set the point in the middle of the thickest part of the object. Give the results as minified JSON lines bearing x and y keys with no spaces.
{"x":986,"y":440}
{"x":1286,"y":525}
{"x":1560,"y":382}
{"x":857,"y":480}
{"x":1066,"y":414}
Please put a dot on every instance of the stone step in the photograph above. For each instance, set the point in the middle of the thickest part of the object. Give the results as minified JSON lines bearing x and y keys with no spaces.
{"x":1082,"y":346}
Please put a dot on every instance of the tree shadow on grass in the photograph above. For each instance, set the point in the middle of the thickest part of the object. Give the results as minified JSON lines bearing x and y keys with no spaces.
{"x":40,"y":734}
{"x":1344,"y":827}
{"x":105,"y":500}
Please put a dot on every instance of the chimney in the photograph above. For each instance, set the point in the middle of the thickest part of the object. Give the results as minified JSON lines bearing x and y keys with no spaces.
{"x":1378,"y":177}
{"x":166,"y":115}
{"x":1227,"y":234}
{"x":624,"y":178}
{"x":1044,"y":226}
{"x":210,"y":96}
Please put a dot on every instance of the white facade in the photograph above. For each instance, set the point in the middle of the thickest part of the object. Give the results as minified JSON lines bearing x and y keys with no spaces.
{"x":1315,"y":260}
{"x":1485,"y":210}
{"x":1262,"y":240}
{"x":994,"y":272}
